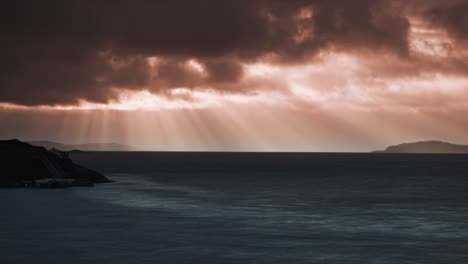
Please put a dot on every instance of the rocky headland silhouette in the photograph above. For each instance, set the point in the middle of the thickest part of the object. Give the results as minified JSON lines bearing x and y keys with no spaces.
{"x":25,"y":165}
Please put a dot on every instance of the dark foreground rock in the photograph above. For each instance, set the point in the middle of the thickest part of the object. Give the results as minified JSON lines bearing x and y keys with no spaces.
{"x":23,"y":165}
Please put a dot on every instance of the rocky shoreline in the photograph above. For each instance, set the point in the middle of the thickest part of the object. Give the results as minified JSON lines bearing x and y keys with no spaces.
{"x":25,"y":165}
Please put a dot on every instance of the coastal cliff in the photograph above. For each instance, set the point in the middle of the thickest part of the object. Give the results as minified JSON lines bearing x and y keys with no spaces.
{"x":22,"y":164}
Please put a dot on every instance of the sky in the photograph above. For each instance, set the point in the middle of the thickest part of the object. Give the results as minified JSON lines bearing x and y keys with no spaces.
{"x":246,"y":75}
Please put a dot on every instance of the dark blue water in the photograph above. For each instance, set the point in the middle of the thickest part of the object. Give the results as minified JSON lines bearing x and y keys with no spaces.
{"x":252,"y":208}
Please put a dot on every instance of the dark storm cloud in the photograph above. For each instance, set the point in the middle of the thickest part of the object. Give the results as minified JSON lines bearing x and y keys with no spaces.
{"x":55,"y":52}
{"x":180,"y":73}
{"x":452,"y":17}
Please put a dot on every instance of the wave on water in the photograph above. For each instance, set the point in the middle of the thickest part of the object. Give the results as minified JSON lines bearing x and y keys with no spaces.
{"x":143,"y":192}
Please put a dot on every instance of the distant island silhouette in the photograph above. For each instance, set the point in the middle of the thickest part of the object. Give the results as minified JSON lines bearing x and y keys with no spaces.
{"x":84,"y":147}
{"x":25,"y":165}
{"x":422,"y":147}
{"x":427,"y":147}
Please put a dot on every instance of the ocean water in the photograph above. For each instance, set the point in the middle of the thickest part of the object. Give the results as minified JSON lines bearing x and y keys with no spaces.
{"x":246,"y":208}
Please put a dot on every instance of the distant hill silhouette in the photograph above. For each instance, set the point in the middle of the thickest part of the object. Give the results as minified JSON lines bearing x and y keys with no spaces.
{"x":84,"y":147}
{"x":427,"y":147}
